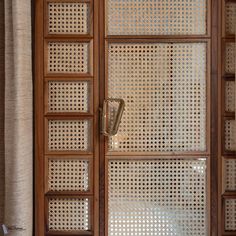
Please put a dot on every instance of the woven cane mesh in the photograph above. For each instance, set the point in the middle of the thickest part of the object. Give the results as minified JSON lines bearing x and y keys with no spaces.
{"x":68,"y":57}
{"x":68,"y":18}
{"x":68,"y":96}
{"x":151,"y":17}
{"x":164,"y":88}
{"x":68,"y":175}
{"x":157,"y":197}
{"x":230,"y":135}
{"x":230,"y":174}
{"x":230,"y":214}
{"x":230,"y":14}
{"x":68,"y":135}
{"x":230,"y":58}
{"x":68,"y":214}
{"x":230,"y":96}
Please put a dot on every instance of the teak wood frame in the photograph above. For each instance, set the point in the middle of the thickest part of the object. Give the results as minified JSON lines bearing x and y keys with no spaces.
{"x":98,"y":38}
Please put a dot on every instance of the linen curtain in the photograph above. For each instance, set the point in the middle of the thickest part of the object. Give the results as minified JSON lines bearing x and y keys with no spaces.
{"x":16,"y":139}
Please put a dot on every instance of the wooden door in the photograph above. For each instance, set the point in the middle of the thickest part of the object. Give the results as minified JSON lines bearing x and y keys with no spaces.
{"x":155,"y":176}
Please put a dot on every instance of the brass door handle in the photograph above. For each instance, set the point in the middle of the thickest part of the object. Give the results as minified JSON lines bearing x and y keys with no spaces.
{"x":104,"y":119}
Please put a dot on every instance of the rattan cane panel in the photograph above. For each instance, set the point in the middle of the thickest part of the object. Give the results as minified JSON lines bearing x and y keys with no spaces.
{"x":164,"y":88}
{"x":230,"y":214}
{"x":230,"y":58}
{"x":68,"y":135}
{"x":68,"y":175}
{"x":157,"y":197}
{"x":68,"y":18}
{"x":230,"y":135}
{"x":68,"y":214}
{"x":68,"y":57}
{"x":68,"y":96}
{"x":151,"y":17}
{"x":230,"y":96}
{"x":230,"y":13}
{"x":230,"y":174}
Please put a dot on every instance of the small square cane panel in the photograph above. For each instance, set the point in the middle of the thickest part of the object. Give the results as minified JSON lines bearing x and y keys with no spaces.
{"x":230,"y":214}
{"x":68,"y":18}
{"x":157,"y":197}
{"x":229,"y":96}
{"x":68,"y":175}
{"x":69,"y":135}
{"x":230,"y":135}
{"x":230,"y":14}
{"x":164,"y":89}
{"x":68,"y":214}
{"x":67,"y":57}
{"x":68,"y":96}
{"x":230,"y":174}
{"x":230,"y":58}
{"x":151,"y":17}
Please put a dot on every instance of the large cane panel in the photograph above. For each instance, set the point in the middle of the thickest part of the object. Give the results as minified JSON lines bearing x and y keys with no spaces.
{"x":229,"y":96}
{"x":157,"y":197}
{"x":151,"y":17}
{"x":230,"y":16}
{"x":230,"y":57}
{"x":229,"y":174}
{"x":164,"y":89}
{"x":230,"y":135}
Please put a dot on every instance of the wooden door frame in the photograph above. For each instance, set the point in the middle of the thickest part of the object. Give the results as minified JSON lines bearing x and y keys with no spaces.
{"x":99,"y":91}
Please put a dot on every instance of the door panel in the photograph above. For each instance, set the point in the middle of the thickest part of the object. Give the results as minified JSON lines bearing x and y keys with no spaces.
{"x":157,"y":197}
{"x":164,"y":86}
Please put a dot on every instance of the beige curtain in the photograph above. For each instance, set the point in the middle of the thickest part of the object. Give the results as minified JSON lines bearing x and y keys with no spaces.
{"x":16,"y":138}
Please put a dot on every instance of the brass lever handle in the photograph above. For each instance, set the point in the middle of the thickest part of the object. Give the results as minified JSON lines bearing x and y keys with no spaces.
{"x":114,"y":129}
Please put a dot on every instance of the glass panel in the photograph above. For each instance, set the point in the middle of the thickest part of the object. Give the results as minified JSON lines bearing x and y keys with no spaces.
{"x":164,"y":89}
{"x":68,"y":135}
{"x":151,"y":17}
{"x":157,"y":197}
{"x":68,"y":175}
{"x":68,"y":214}
{"x":230,"y":214}
{"x":68,"y":96}
{"x":68,"y":57}
{"x":68,"y":18}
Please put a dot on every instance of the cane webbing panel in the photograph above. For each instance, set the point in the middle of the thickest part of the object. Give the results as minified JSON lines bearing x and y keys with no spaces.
{"x":68,"y":214}
{"x":68,"y":175}
{"x":164,"y":88}
{"x":230,"y":135}
{"x":230,"y":214}
{"x":68,"y":18}
{"x":230,"y":174}
{"x":68,"y":57}
{"x":230,"y":14}
{"x":68,"y":135}
{"x":230,"y":58}
{"x":151,"y":17}
{"x":157,"y":197}
{"x":229,"y":96}
{"x":68,"y":96}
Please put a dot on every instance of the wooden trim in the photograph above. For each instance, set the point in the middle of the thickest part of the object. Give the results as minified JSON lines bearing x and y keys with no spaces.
{"x":39,"y":121}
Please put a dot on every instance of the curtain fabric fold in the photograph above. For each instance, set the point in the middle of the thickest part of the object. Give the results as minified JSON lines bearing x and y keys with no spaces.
{"x":16,"y":141}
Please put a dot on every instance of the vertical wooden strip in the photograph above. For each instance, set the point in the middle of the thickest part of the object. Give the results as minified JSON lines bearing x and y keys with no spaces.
{"x":39,"y":121}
